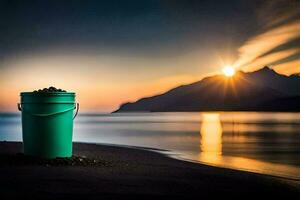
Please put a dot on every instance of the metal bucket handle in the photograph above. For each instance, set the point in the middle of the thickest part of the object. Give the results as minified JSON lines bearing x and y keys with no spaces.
{"x":54,"y":113}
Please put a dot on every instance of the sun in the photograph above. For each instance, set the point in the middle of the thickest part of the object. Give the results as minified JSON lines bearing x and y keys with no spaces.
{"x":228,"y":71}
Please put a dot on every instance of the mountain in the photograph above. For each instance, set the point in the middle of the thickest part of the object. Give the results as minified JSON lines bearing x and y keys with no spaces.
{"x":282,"y":104}
{"x":257,"y":90}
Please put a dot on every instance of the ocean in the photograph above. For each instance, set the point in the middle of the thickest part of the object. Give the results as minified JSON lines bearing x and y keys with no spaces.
{"x":267,"y":143}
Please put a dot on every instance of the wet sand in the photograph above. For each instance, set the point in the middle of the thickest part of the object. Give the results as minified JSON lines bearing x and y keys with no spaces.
{"x":112,"y":172}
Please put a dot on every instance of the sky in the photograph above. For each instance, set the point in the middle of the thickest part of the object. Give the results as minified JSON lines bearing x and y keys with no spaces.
{"x":111,"y":52}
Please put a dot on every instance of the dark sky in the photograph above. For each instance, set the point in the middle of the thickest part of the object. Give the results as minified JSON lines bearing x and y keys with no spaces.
{"x":140,"y":26}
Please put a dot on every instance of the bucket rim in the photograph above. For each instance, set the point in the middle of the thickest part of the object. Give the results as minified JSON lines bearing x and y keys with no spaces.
{"x":47,"y":94}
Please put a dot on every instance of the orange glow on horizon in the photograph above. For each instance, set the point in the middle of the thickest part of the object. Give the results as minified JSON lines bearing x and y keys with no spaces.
{"x":97,"y":96}
{"x":101,"y":83}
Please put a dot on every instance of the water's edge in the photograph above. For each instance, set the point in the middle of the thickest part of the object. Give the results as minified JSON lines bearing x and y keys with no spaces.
{"x":174,"y":155}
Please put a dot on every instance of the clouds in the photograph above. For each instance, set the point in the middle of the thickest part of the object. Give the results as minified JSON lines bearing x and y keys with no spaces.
{"x":262,"y":44}
{"x":277,"y":39}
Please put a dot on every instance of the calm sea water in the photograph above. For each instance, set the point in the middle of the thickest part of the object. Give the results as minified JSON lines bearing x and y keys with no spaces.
{"x":259,"y":142}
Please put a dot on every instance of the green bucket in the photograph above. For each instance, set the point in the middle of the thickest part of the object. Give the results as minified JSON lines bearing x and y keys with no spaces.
{"x":47,"y":123}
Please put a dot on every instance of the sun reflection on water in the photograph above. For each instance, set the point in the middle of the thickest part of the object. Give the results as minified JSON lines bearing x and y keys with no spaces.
{"x":210,"y":137}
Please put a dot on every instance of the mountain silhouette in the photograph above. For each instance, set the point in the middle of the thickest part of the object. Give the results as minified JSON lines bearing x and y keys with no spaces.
{"x":259,"y":90}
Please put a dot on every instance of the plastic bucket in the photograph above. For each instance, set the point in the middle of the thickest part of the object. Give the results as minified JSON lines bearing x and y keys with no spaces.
{"x":47,"y":123}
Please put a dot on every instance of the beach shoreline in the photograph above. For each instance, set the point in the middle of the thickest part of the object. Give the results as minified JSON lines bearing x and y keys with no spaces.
{"x":125,"y":171}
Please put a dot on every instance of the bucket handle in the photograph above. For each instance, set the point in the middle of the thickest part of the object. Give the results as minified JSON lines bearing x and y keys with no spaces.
{"x":55,"y":113}
{"x":77,"y":108}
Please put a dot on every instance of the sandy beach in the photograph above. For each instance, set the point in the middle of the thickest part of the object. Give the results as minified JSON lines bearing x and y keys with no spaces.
{"x":103,"y":171}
